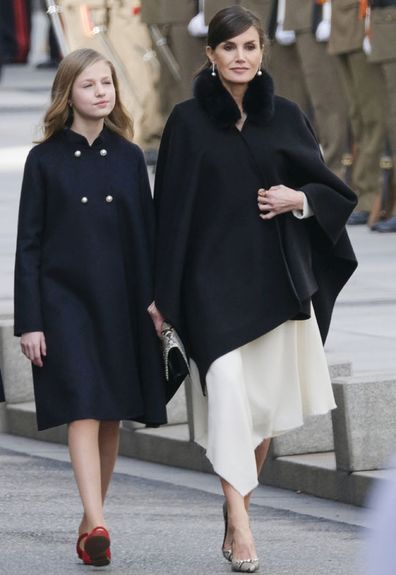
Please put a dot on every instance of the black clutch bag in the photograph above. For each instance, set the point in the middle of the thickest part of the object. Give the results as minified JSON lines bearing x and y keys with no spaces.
{"x":175,"y":359}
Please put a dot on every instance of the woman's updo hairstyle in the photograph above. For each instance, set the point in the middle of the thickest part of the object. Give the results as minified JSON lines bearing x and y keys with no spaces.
{"x":231,"y":22}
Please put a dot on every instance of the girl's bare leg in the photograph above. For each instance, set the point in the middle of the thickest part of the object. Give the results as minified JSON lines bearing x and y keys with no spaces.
{"x":93,"y":449}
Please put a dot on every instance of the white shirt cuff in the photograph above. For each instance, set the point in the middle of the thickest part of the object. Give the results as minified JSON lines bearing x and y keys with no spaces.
{"x":306,"y":212}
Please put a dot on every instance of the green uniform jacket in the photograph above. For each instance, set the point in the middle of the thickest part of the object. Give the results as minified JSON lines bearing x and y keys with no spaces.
{"x":262,"y":8}
{"x":298,"y":16}
{"x":347,"y":29}
{"x":168,"y":11}
{"x":383,"y":34}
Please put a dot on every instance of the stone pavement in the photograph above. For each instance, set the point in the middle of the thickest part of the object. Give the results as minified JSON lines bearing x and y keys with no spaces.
{"x":163,"y":521}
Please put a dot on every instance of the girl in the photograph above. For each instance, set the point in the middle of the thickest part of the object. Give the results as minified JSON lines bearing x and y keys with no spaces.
{"x":83,"y":281}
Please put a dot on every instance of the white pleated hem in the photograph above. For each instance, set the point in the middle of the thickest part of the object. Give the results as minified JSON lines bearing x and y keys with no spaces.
{"x":263,"y":389}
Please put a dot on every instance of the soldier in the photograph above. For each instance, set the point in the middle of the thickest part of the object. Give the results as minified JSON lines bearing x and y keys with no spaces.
{"x":363,"y":82}
{"x":383,"y":52}
{"x":323,"y":83}
{"x":15,"y":28}
{"x":282,"y":60}
{"x":171,"y":17}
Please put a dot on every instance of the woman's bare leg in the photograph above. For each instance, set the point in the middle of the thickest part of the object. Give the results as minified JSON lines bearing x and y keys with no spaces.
{"x":261,"y":453}
{"x":108,"y":442}
{"x":242,"y":542}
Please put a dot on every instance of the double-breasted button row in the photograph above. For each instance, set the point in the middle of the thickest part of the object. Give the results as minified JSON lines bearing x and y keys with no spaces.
{"x":108,"y":199}
{"x":102,"y":152}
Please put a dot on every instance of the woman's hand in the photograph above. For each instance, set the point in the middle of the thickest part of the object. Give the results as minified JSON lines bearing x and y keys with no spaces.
{"x":278,"y":200}
{"x":34,"y":347}
{"x":157,"y":317}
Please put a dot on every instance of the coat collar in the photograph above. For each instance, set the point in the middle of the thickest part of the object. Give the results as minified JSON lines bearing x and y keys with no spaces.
{"x":77,"y":139}
{"x":218,"y":103}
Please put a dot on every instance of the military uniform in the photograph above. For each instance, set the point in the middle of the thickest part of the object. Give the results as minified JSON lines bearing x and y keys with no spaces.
{"x":282,"y":62}
{"x":172,"y":18}
{"x":259,"y":7}
{"x":325,"y":88}
{"x":15,"y":29}
{"x":383,"y":53}
{"x":363,"y":82}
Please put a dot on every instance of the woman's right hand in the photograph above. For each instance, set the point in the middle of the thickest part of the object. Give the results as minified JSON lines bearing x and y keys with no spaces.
{"x":157,"y":317}
{"x":34,"y":347}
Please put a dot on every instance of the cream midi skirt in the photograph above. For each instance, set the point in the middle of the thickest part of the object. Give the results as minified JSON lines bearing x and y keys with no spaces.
{"x":260,"y":390}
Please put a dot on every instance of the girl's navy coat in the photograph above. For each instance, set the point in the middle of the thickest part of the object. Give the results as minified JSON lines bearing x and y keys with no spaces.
{"x":223,"y":275}
{"x":83,"y":276}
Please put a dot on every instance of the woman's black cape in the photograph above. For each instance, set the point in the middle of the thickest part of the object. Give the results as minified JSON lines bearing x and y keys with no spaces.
{"x":223,"y":275}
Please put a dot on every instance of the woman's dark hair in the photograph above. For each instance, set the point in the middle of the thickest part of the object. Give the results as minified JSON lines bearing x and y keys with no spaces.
{"x":231,"y":22}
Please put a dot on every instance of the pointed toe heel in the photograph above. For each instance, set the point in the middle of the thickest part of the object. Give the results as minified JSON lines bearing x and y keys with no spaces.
{"x":245,"y":565}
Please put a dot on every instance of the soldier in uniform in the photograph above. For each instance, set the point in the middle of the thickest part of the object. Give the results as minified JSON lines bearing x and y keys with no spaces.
{"x":363,"y":82}
{"x":325,"y":88}
{"x":383,"y":52}
{"x":282,"y":62}
{"x":172,"y":18}
{"x":15,"y":29}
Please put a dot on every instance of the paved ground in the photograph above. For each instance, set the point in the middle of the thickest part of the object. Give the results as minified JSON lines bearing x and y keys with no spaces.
{"x":164,"y":521}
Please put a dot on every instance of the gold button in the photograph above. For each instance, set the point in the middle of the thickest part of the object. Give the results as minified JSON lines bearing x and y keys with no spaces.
{"x":109,"y":199}
{"x":84,"y":200}
{"x":103,"y":152}
{"x":77,"y":153}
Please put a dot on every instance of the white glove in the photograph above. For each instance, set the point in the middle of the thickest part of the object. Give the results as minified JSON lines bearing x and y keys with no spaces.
{"x":367,"y":46}
{"x":323,"y":30}
{"x":284,"y":37}
{"x":197,"y":26}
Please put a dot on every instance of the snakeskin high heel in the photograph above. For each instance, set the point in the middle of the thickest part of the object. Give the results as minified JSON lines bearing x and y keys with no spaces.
{"x":227,"y":553}
{"x":245,"y":565}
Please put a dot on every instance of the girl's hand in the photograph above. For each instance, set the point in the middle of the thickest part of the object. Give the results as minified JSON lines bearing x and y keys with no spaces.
{"x":34,"y":347}
{"x":157,"y":317}
{"x":278,"y":200}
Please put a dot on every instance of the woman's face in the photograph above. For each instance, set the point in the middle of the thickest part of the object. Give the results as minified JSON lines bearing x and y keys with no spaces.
{"x":237,"y":60}
{"x":93,"y":93}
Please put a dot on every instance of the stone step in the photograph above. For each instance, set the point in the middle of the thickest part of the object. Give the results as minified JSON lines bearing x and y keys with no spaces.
{"x":314,"y":474}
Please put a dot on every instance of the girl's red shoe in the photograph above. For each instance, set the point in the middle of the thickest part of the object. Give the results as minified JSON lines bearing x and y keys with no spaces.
{"x":97,"y":547}
{"x":79,"y":549}
{"x":83,"y":555}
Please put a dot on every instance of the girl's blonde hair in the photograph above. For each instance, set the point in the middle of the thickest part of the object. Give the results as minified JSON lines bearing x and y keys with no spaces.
{"x":59,"y":114}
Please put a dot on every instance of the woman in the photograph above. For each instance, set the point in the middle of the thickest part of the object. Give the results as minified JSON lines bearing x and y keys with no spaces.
{"x":83,"y":281}
{"x":251,"y":254}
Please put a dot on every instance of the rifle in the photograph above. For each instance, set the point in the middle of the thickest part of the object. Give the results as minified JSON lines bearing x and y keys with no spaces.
{"x":54,"y":11}
{"x":162,"y":46}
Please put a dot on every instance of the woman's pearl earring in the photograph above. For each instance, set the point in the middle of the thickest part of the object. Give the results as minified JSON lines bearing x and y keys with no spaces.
{"x":213,"y":69}
{"x":259,"y":71}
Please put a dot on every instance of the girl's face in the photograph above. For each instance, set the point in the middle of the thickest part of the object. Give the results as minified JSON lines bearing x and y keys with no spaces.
{"x":93,"y":94}
{"x":237,"y":60}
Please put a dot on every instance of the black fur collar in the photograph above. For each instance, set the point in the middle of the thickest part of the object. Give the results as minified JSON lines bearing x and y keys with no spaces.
{"x":218,"y":103}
